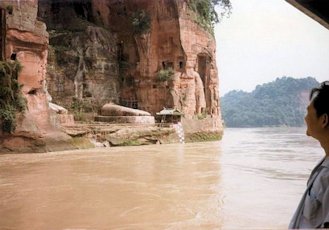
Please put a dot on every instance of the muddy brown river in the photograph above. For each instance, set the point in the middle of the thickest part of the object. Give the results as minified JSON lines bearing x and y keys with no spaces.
{"x":252,"y":179}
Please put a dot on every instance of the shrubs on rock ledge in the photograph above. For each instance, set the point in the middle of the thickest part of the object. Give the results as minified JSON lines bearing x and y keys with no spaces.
{"x":165,"y":75}
{"x":12,"y":100}
{"x":141,"y":22}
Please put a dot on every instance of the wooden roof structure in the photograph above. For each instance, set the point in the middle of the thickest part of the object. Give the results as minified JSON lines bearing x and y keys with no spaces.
{"x":169,"y":115}
{"x":316,"y":9}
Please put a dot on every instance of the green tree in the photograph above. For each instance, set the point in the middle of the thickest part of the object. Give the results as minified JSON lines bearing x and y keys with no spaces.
{"x":279,"y":103}
{"x":141,"y":22}
{"x":206,"y":13}
{"x":12,"y":100}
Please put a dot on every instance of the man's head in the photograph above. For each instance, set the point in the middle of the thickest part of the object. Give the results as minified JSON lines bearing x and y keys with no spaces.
{"x":320,"y":98}
{"x":317,"y":117}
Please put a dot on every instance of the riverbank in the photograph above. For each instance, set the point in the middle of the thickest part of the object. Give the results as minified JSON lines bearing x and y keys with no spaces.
{"x":111,"y":135}
{"x":91,"y":134}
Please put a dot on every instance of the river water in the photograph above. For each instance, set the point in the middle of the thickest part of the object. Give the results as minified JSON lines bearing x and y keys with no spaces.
{"x":252,"y":179}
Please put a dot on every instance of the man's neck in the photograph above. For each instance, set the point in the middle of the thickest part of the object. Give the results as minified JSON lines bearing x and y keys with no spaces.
{"x":325,"y":144}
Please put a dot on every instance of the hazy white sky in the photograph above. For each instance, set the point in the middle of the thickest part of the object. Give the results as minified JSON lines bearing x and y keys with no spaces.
{"x":266,"y":39}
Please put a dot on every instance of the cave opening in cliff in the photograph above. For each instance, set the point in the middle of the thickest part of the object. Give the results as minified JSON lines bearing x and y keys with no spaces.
{"x":82,"y":9}
{"x":2,"y":33}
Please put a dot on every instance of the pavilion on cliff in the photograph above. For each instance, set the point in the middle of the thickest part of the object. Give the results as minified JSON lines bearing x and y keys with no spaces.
{"x":169,"y":115}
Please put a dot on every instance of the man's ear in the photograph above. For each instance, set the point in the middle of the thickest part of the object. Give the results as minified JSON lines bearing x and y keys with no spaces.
{"x":325,"y":120}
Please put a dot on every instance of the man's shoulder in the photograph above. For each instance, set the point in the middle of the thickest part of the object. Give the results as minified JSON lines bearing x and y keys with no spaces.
{"x":325,"y":163}
{"x":323,"y":180}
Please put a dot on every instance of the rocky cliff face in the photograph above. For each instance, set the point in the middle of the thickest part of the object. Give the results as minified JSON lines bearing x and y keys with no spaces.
{"x":26,"y":40}
{"x":117,"y":49}
{"x":173,"y":40}
{"x":82,"y":63}
{"x":138,"y":53}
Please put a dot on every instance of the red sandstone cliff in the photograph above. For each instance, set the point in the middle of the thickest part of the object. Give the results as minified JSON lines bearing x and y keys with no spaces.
{"x":174,"y":40}
{"x":26,"y":40}
{"x":96,"y":54}
{"x":85,"y":58}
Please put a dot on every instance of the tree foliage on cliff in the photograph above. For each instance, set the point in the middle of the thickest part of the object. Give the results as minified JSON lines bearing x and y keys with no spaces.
{"x":206,"y":13}
{"x":279,"y":103}
{"x":165,"y":74}
{"x":141,"y":22}
{"x":11,"y":99}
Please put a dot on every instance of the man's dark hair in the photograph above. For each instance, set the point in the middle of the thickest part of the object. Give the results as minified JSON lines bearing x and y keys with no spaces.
{"x":320,"y":97}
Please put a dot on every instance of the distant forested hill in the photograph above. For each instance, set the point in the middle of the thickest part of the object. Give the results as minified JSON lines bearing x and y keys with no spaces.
{"x":282,"y":102}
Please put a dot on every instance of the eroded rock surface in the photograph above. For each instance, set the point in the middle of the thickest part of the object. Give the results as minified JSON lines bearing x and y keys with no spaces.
{"x":26,"y":40}
{"x":89,"y":53}
{"x":117,"y":110}
{"x":115,"y":60}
